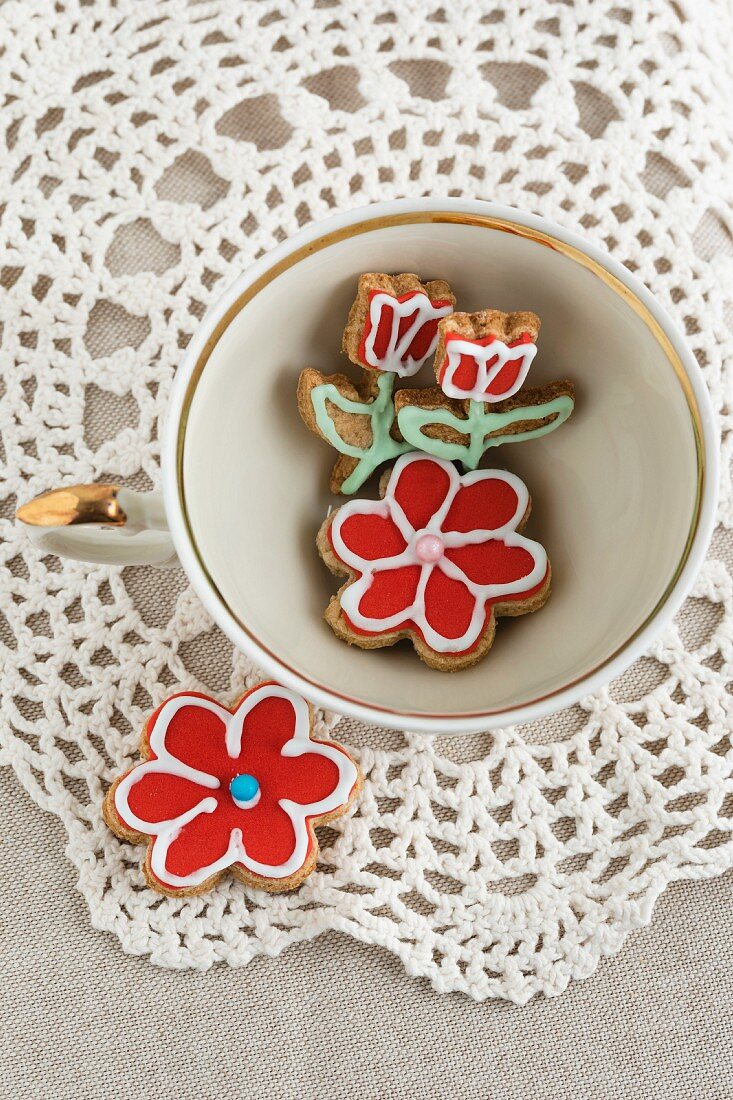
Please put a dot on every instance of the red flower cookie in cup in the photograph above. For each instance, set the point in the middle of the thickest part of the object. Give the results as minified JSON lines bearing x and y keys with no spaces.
{"x":237,"y":790}
{"x":436,"y":560}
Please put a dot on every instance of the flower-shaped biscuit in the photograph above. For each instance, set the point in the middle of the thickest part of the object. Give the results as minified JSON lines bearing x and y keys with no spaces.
{"x":237,"y":789}
{"x":436,"y":560}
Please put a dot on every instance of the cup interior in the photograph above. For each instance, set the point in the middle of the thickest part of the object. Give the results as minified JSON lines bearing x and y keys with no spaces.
{"x":614,"y":490}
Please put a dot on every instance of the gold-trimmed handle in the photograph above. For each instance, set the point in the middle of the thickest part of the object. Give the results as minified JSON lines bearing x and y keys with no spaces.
{"x":100,"y":523}
{"x":74,"y":504}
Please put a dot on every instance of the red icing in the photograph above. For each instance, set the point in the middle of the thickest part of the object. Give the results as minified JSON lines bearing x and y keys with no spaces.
{"x":409,"y":625}
{"x":391,"y":591}
{"x":421,"y":490}
{"x":158,"y":796}
{"x":487,"y":504}
{"x":420,"y":344}
{"x":197,"y":737}
{"x":199,"y":844}
{"x":371,"y":536}
{"x":491,"y":562}
{"x":464,"y":376}
{"x":191,"y":733}
{"x":448,"y":605}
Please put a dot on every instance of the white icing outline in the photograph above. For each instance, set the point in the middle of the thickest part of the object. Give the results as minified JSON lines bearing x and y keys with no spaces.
{"x":389,"y":508}
{"x":396,"y":360}
{"x":165,"y":832}
{"x":485,"y":376}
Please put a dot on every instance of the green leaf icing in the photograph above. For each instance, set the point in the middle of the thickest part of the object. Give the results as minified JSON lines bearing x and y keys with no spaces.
{"x":479,"y":424}
{"x":381,"y":414}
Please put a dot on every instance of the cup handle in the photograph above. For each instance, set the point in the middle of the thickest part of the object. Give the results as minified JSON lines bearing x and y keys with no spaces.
{"x":100,"y":523}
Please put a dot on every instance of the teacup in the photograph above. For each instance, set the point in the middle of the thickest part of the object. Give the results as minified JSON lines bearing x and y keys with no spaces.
{"x":623,"y":494}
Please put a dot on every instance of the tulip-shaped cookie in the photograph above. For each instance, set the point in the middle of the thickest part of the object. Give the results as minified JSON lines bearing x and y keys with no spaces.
{"x":391,"y":331}
{"x":481,"y":362}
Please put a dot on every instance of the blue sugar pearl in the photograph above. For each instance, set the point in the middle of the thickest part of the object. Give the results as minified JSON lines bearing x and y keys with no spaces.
{"x":244,"y":790}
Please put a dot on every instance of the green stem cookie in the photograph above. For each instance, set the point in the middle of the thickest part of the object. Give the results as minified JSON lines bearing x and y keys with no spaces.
{"x":479,"y":425}
{"x":381,"y":414}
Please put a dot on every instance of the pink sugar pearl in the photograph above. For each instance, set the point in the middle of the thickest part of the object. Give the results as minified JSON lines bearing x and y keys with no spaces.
{"x":429,"y":548}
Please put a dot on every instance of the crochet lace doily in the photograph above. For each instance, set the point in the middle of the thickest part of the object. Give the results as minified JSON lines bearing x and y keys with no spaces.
{"x":150,"y":153}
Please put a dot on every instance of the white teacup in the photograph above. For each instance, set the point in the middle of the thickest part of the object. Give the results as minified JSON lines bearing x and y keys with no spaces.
{"x":623,"y":494}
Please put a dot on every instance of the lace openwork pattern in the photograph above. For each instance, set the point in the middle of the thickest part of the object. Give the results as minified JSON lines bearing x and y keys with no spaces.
{"x":150,"y":152}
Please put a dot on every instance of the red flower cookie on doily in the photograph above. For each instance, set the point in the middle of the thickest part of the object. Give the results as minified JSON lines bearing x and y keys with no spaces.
{"x":436,"y":560}
{"x":238,"y":790}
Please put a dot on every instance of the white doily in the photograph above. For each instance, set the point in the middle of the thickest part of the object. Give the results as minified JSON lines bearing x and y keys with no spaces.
{"x":151,"y":152}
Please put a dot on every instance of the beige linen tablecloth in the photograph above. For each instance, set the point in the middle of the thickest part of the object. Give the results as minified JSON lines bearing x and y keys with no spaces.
{"x":152,"y":151}
{"x":334,"y":1018}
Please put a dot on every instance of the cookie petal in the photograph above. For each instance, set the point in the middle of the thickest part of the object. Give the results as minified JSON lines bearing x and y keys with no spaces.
{"x":504,"y":381}
{"x":391,"y":592}
{"x":306,"y":778}
{"x":420,"y":486}
{"x":157,"y":798}
{"x":493,"y":562}
{"x":268,"y":835}
{"x":487,"y":504}
{"x":191,"y":729}
{"x":450,"y":608}
{"x":370,"y":536}
{"x":500,"y":571}
{"x":465,"y":376}
{"x":195,"y":851}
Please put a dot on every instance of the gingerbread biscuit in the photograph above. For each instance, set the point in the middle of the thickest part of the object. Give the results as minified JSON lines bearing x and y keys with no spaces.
{"x":486,"y":355}
{"x":436,"y":560}
{"x":355,"y":416}
{"x":231,"y":790}
{"x":390,"y":332}
{"x":553,"y":401}
{"x":481,"y":363}
{"x":392,"y":324}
